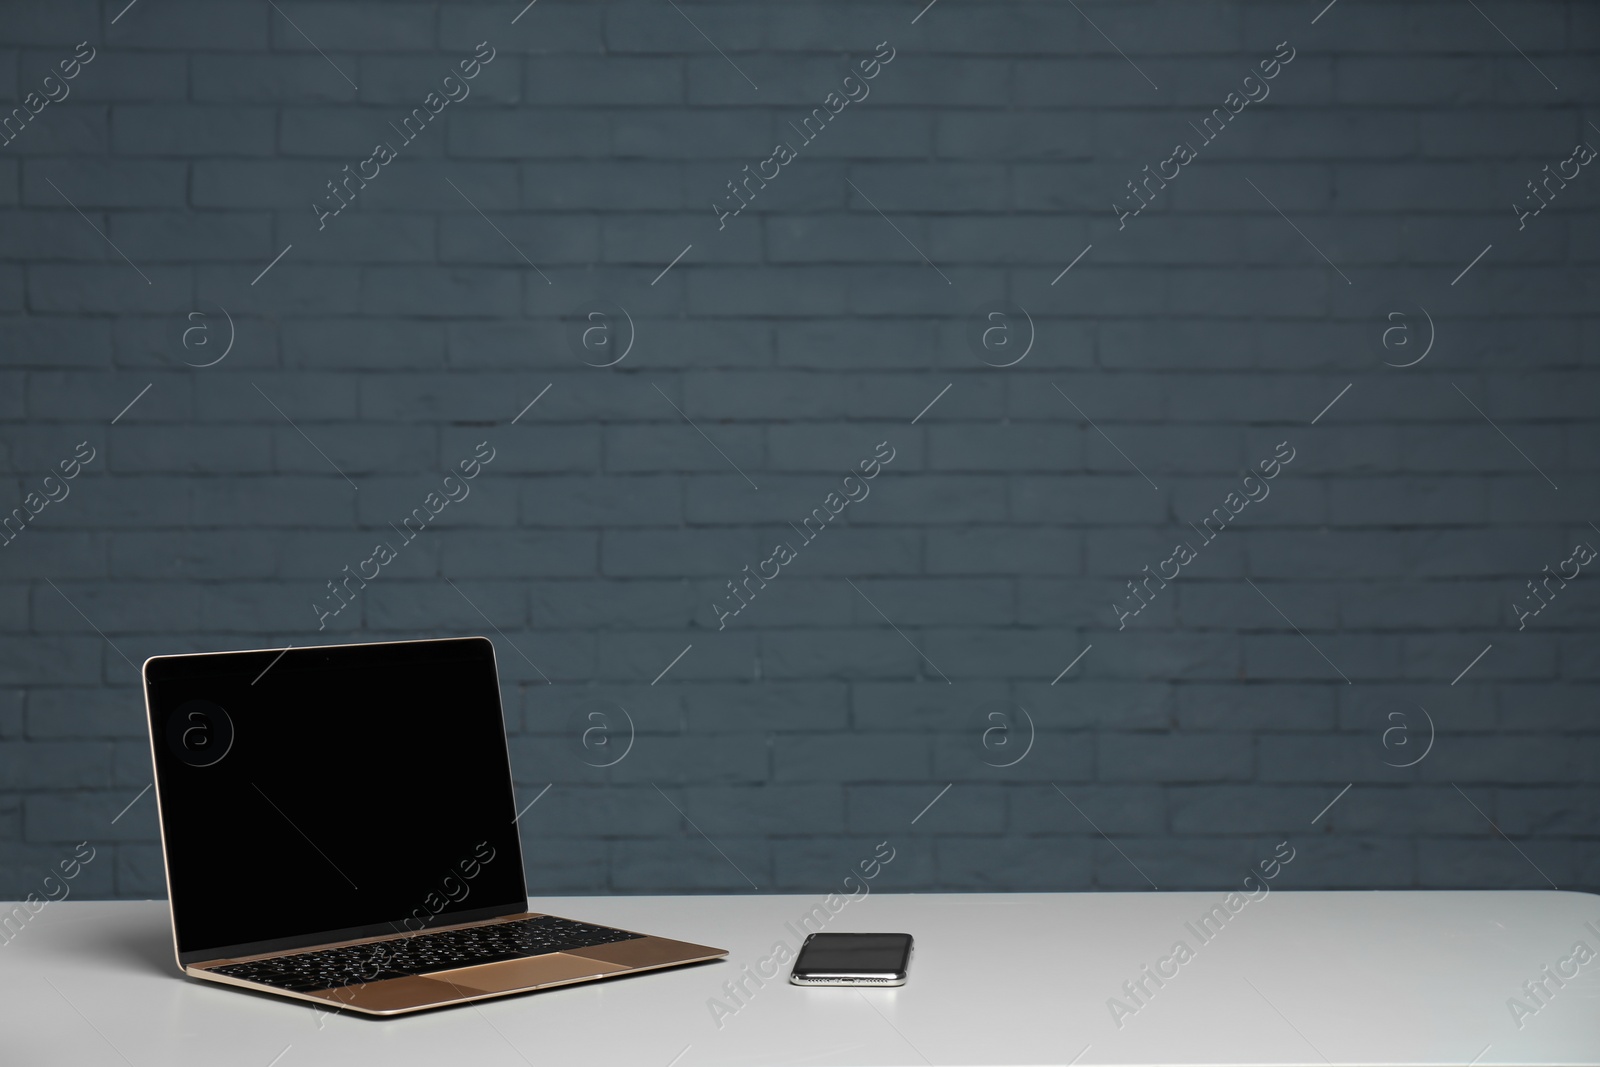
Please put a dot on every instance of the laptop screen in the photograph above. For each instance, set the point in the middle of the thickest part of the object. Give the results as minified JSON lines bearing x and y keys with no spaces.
{"x":324,"y":794}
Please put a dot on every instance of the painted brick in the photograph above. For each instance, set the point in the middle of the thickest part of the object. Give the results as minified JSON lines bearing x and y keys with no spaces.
{"x":796,"y":335}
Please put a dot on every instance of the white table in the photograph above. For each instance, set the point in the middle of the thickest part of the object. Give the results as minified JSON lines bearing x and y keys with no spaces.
{"x":1295,"y":978}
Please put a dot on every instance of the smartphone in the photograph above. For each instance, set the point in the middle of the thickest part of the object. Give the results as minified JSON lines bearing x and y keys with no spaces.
{"x":853,"y":959}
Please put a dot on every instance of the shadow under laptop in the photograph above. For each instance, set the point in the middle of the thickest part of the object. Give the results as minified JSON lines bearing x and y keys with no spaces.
{"x":147,"y":946}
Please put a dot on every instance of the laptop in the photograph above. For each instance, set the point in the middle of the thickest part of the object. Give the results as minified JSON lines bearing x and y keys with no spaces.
{"x":339,"y":826}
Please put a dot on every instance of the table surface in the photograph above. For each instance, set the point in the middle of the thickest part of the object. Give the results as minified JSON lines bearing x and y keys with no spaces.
{"x":1293,"y":978}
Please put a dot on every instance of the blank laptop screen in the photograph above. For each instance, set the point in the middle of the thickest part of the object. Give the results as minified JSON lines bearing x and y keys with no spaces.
{"x":332,"y":793}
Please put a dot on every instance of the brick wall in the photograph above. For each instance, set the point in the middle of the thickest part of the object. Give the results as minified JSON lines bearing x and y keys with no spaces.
{"x":965,"y":636}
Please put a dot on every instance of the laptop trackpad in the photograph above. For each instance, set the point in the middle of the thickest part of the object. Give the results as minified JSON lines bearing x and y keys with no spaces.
{"x":527,"y":973}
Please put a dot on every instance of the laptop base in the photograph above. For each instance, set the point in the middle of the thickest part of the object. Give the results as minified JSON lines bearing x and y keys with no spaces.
{"x":438,"y":989}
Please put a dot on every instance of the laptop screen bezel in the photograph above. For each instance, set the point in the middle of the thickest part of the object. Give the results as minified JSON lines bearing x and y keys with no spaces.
{"x":250,"y":663}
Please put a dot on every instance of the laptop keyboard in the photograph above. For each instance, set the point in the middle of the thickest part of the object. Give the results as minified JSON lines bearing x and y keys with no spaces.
{"x":333,"y":968}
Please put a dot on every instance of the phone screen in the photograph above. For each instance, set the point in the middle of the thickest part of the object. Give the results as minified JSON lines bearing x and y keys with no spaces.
{"x":825,"y":955}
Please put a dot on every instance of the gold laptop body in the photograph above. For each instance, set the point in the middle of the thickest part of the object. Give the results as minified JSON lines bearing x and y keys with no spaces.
{"x":339,"y":825}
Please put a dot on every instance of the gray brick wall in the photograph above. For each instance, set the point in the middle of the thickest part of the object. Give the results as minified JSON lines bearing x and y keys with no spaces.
{"x":884,"y":685}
